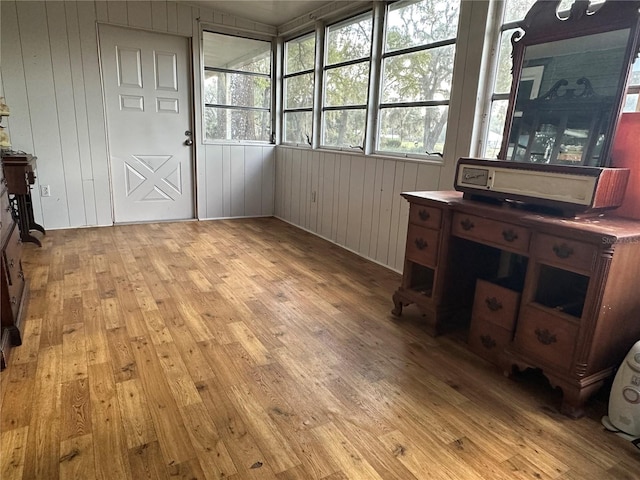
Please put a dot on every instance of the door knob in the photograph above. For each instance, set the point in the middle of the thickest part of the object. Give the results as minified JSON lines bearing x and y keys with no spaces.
{"x":188,"y":142}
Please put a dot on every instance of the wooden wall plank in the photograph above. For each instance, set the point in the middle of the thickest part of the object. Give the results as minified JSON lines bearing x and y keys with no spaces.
{"x":237,"y":160}
{"x":268,"y":180}
{"x":226,"y":181}
{"x":252,"y":181}
{"x":102,"y":11}
{"x":172,"y":17}
{"x":386,"y":203}
{"x":356,"y":206}
{"x":326,"y":198}
{"x":185,"y":19}
{"x":14,"y":86}
{"x":65,"y":106}
{"x":139,"y":14}
{"x":213,"y":182}
{"x":95,"y":112}
{"x":117,"y":12}
{"x":279,"y":183}
{"x":368,"y":190}
{"x":287,"y":184}
{"x":394,"y":224}
{"x":305,"y":196}
{"x":32,"y":20}
{"x":80,"y":106}
{"x":315,"y":188}
{"x":295,"y":186}
{"x":343,"y":198}
{"x":159,"y":19}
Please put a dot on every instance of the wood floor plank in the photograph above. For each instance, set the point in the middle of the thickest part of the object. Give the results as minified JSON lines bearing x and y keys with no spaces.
{"x":253,"y":349}
{"x":109,"y":441}
{"x":13,"y":445}
{"x":77,"y":459}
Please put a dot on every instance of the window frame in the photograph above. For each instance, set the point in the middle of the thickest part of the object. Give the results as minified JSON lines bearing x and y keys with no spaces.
{"x":423,"y":103}
{"x":285,"y":77}
{"x":325,"y":67}
{"x":216,"y":29}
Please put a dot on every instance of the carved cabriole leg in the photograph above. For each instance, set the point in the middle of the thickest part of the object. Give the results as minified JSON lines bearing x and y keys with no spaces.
{"x":14,"y":336}
{"x":397,"y":310}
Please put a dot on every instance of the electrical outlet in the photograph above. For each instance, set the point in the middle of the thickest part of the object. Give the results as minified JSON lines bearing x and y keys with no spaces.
{"x":45,"y":191}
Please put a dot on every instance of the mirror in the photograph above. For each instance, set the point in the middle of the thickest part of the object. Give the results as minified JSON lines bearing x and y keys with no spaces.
{"x":569,"y":79}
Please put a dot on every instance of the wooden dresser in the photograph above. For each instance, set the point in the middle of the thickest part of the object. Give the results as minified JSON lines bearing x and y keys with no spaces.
{"x":13,"y":288}
{"x":557,"y":294}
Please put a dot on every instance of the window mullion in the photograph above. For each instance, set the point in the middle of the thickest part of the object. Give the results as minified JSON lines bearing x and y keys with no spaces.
{"x":375,"y":75}
{"x":318,"y":86}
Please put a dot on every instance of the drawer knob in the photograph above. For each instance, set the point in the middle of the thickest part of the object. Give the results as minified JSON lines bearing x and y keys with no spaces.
{"x":421,"y":243}
{"x":424,"y":215}
{"x":11,"y":263}
{"x":509,"y":235}
{"x":21,"y":275}
{"x":467,"y":224}
{"x":493,"y":304}
{"x":563,"y":250}
{"x":487,"y":342}
{"x":14,"y":300}
{"x":545,"y":337}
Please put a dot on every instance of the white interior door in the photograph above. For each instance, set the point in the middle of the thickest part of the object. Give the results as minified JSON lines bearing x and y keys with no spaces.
{"x":148,"y":100}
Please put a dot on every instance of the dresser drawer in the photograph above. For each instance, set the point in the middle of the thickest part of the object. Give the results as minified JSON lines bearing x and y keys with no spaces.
{"x":488,"y":340}
{"x":13,"y":254}
{"x":545,"y":336}
{"x":493,"y":232}
{"x":12,"y":268}
{"x":564,"y":252}
{"x":425,"y":216}
{"x":495,"y":304}
{"x":422,"y":245}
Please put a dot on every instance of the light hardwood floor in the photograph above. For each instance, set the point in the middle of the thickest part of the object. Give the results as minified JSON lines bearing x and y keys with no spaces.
{"x":250,"y":349}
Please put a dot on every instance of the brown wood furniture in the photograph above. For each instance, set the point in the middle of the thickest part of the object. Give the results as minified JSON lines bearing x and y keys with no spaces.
{"x":12,"y":282}
{"x":538,"y":291}
{"x":19,"y":172}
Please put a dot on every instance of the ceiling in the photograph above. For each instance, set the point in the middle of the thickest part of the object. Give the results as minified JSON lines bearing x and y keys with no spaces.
{"x":269,"y":12}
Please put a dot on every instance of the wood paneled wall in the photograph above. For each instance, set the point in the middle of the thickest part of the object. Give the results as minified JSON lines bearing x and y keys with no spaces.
{"x":51,"y":79}
{"x":351,"y":200}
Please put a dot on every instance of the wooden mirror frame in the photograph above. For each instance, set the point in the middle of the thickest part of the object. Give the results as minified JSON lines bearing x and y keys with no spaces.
{"x":542,"y":25}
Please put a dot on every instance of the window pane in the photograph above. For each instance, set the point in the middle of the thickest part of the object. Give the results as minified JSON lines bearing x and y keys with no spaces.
{"x":631,"y":103}
{"x":516,"y":10}
{"x":349,"y":41}
{"x":635,"y":73}
{"x":410,"y":24}
{"x":237,"y":89}
{"x":299,"y":91}
{"x":230,"y":124}
{"x":301,"y":54}
{"x":419,"y":76}
{"x":496,"y":128}
{"x":297,"y":126}
{"x":344,"y":128}
{"x":347,"y":85}
{"x":413,"y":129}
{"x":236,"y":53}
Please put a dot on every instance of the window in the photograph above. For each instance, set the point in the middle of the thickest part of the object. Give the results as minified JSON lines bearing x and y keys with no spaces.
{"x":632,"y":103}
{"x":514,"y":11}
{"x":417,"y":73}
{"x":346,"y":82}
{"x":299,"y":66}
{"x":237,"y":88}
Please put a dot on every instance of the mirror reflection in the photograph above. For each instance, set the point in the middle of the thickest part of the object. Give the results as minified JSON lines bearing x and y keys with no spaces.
{"x":567,"y":99}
